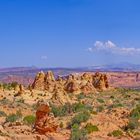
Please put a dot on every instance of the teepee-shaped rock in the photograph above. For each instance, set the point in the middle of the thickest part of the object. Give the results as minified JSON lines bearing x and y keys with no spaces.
{"x":39,"y":81}
{"x":49,"y":81}
{"x":88,"y":88}
{"x":49,"y":76}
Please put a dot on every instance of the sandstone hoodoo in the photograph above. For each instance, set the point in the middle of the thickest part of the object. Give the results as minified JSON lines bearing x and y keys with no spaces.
{"x":88,"y":88}
{"x":20,"y":90}
{"x":44,"y":81}
{"x":39,"y":81}
{"x":100,"y":81}
{"x":49,"y":76}
{"x":73,"y":83}
{"x":44,"y":123}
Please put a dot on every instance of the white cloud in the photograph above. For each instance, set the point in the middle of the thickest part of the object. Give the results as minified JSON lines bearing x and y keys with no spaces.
{"x":111,"y":47}
{"x":44,"y":57}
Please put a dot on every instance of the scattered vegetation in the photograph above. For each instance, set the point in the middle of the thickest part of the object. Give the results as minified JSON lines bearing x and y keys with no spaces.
{"x":29,"y":120}
{"x":115,"y":105}
{"x":70,"y":108}
{"x":134,"y":119}
{"x":80,"y":96}
{"x":14,"y":117}
{"x":116,"y":133}
{"x":9,"y":86}
{"x":61,"y":110}
{"x":3,"y":114}
{"x":61,"y":125}
{"x":77,"y":107}
{"x":5,"y":101}
{"x":100,"y":100}
{"x":21,"y":100}
{"x":135,"y":113}
{"x":81,"y":117}
{"x":99,"y":108}
{"x":77,"y":133}
{"x":91,"y":128}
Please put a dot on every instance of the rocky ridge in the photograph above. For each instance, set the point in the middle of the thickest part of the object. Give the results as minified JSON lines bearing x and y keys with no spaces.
{"x":73,"y":83}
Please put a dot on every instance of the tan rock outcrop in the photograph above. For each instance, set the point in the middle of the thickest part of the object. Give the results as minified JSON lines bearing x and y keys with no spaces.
{"x":44,"y":81}
{"x":49,"y":81}
{"x":88,"y":88}
{"x":73,"y":83}
{"x":49,"y":76}
{"x":100,"y":81}
{"x":20,"y":90}
{"x":39,"y":81}
{"x":60,"y":97}
{"x":17,"y":88}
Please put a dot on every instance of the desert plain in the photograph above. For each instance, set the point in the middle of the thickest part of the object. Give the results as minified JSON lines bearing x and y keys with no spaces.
{"x":76,"y":106}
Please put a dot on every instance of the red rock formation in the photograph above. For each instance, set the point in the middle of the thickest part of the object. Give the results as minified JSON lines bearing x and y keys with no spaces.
{"x":44,"y":123}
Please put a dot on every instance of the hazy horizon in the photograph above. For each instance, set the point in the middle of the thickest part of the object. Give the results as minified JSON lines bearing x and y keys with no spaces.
{"x":69,"y":33}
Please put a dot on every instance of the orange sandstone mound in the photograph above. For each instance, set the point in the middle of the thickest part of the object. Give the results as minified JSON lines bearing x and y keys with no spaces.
{"x":73,"y":83}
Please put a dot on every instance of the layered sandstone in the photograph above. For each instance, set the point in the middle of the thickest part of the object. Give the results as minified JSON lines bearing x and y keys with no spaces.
{"x":73,"y":83}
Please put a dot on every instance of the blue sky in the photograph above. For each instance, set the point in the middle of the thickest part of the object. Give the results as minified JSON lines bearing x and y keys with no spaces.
{"x":69,"y":33}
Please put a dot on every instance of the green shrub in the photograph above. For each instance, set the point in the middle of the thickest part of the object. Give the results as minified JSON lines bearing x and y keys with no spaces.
{"x":112,"y":97}
{"x":135,"y":113}
{"x":78,"y":134}
{"x":80,"y":96}
{"x":116,"y":133}
{"x":3,"y":114}
{"x":115,"y":106}
{"x":81,"y":117}
{"x":61,"y":125}
{"x":78,"y":107}
{"x":100,"y":100}
{"x":14,"y":84}
{"x":34,"y":106}
{"x":19,"y":114}
{"x":91,"y":128}
{"x":68,"y":109}
{"x":21,"y":100}
{"x":5,"y":101}
{"x":132,"y":124}
{"x":133,"y":119}
{"x":30,"y":119}
{"x":99,"y":108}
{"x":12,"y":118}
{"x":61,"y":110}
